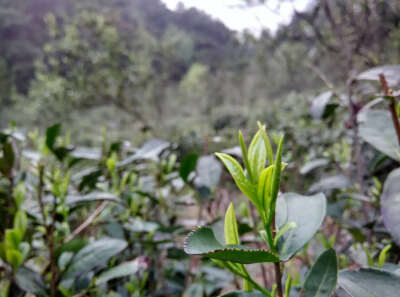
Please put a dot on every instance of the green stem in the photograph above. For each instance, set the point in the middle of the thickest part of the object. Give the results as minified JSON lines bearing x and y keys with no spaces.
{"x":247,"y":277}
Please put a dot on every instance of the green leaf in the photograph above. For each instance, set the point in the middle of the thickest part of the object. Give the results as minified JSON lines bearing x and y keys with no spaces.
{"x":370,"y":282}
{"x":94,"y":254}
{"x":76,"y":200}
{"x":24,"y":248}
{"x":14,"y":257}
{"x":264,"y":188}
{"x":322,"y":106}
{"x":313,"y":164}
{"x":188,"y":165}
{"x":21,"y":222}
{"x":51,"y":135}
{"x":376,"y":128}
{"x":239,"y":177}
{"x":267,"y":143}
{"x":9,"y":156}
{"x":391,"y":72}
{"x":123,"y":269}
{"x":203,"y":242}
{"x":330,"y":183}
{"x":231,"y":229}
{"x":276,"y":176}
{"x":243,"y":294}
{"x":383,"y":255}
{"x":30,"y":281}
{"x":307,"y":212}
{"x":208,"y":172}
{"x":13,"y":238}
{"x":245,"y":156}
{"x":322,"y":278}
{"x":257,"y":155}
{"x":285,"y":228}
{"x":390,"y":204}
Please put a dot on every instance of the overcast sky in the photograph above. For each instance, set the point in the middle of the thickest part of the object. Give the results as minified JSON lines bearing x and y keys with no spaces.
{"x":232,"y":13}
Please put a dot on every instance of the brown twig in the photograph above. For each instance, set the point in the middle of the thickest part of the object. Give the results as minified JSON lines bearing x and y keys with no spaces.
{"x":392,"y":105}
{"x":88,"y":221}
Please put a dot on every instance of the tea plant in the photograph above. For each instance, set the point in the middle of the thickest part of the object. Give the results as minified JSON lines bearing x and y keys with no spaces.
{"x":288,"y":223}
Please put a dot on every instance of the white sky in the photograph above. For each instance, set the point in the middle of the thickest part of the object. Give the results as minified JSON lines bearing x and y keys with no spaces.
{"x":236,"y":17}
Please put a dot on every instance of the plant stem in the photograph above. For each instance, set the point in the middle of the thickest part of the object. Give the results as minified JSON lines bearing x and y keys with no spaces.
{"x":246,"y":276}
{"x":392,"y":105}
{"x":49,"y":231}
{"x":277,"y":266}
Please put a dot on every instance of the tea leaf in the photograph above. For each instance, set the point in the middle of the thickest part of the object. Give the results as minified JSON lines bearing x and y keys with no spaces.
{"x":188,"y":165}
{"x":307,"y":212}
{"x":243,"y":294}
{"x":231,"y":230}
{"x":239,"y":177}
{"x":322,"y":278}
{"x":257,"y":155}
{"x":92,"y":255}
{"x":370,"y":282}
{"x":203,"y":242}
{"x":390,"y":204}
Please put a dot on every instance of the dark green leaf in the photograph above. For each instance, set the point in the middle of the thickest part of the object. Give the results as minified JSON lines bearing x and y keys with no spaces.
{"x":311,"y":165}
{"x":377,"y":129}
{"x":330,"y":183}
{"x":321,"y":106}
{"x":92,"y":197}
{"x":51,"y":135}
{"x":73,"y":245}
{"x":188,"y":165}
{"x":322,"y":278}
{"x":243,"y":294}
{"x":370,"y":282}
{"x":308,"y":212}
{"x":208,"y":171}
{"x":9,"y":156}
{"x":203,"y":242}
{"x":92,"y":255}
{"x":30,"y":281}
{"x":390,"y":204}
{"x":123,"y":269}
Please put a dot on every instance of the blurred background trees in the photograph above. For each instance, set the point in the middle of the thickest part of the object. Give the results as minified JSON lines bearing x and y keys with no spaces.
{"x":137,"y":65}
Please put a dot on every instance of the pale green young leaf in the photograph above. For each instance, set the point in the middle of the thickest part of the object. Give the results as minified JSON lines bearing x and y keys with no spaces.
{"x":383,"y":255}
{"x":245,"y":156}
{"x":276,"y":177}
{"x":239,"y":177}
{"x":232,"y":238}
{"x":21,"y":221}
{"x":257,"y":155}
{"x":267,"y":143}
{"x":231,"y":230}
{"x":264,"y":188}
{"x":14,"y":257}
